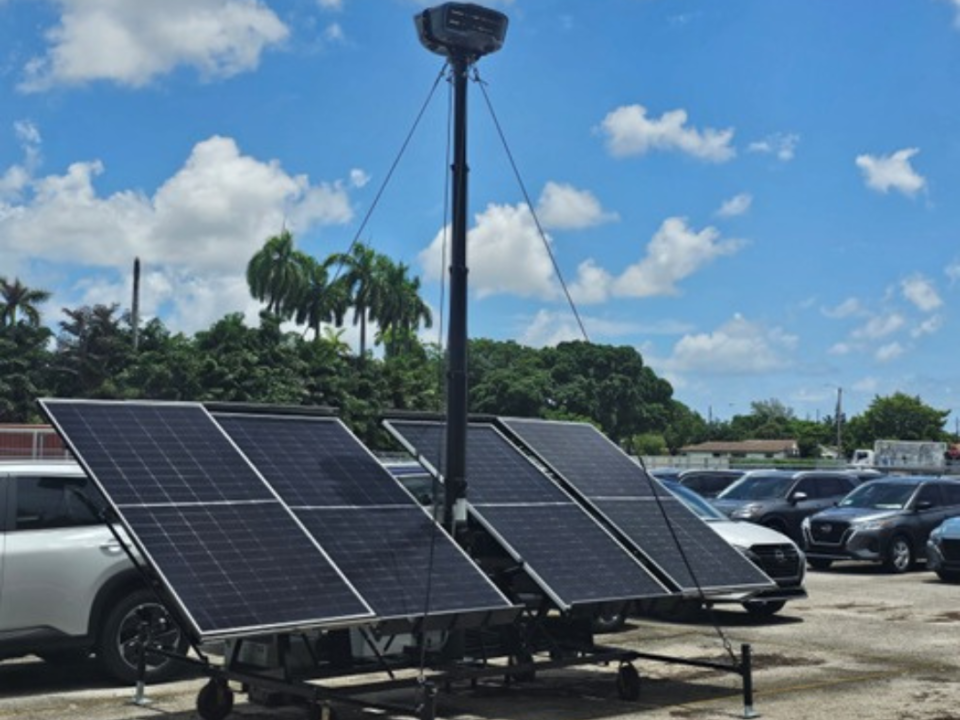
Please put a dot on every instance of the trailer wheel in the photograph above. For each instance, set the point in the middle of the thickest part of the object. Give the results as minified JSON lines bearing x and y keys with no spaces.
{"x":628,"y":682}
{"x":215,"y":700}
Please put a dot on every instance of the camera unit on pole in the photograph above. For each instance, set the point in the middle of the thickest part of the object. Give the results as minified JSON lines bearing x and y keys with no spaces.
{"x":461,"y":29}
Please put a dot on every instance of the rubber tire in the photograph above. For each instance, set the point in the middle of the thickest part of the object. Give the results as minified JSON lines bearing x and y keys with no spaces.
{"x":819,"y":563}
{"x":119,"y":631}
{"x":759,"y":608}
{"x":899,"y":555}
{"x":628,"y":682}
{"x":215,"y":700}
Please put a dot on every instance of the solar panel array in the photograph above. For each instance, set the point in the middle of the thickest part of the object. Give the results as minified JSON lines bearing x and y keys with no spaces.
{"x":234,"y":557}
{"x":659,"y":526}
{"x":400,"y":561}
{"x":571,"y":557}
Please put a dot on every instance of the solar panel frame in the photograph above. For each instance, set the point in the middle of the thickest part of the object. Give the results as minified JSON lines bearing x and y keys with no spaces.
{"x":324,"y":575}
{"x":297,"y":436}
{"x":610,"y":494}
{"x":483,"y":511}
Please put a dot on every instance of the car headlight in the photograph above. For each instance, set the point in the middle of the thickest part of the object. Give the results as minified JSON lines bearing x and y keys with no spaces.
{"x":747,"y":511}
{"x":873,"y":525}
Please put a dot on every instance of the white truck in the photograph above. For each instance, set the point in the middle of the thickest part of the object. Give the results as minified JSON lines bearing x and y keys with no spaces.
{"x":902,"y":454}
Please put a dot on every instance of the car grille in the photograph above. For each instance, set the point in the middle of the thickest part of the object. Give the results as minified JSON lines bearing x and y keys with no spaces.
{"x":778,"y":561}
{"x":951,"y":550}
{"x":827,"y":531}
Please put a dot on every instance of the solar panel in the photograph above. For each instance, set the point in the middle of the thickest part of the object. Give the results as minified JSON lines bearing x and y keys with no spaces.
{"x":606,"y":479}
{"x":565,"y":551}
{"x":403,"y":564}
{"x":233,"y":556}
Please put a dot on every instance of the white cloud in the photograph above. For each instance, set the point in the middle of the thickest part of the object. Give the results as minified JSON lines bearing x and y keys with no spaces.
{"x":737,"y":205}
{"x":782,"y":145}
{"x":889,"y":352}
{"x":501,"y":231}
{"x":738,"y":347}
{"x":550,"y":328}
{"x":952,"y":271}
{"x":675,"y":252}
{"x":334,"y":5}
{"x":563,"y":207}
{"x":630,"y":132}
{"x":880,"y":326}
{"x":921,"y":292}
{"x":334,"y":33}
{"x":195,"y":233}
{"x":848,"y":308}
{"x":358,"y":178}
{"x":841,"y":348}
{"x":131,"y":43}
{"x":884,"y":172}
{"x":928,"y":327}
{"x":592,"y":285}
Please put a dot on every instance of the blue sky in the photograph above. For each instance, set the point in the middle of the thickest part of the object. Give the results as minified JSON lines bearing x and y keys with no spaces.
{"x":758,"y":195}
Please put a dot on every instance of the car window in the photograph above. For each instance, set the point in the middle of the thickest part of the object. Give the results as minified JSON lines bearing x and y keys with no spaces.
{"x":811,"y":487}
{"x":951,"y":493}
{"x":758,"y":487}
{"x":880,"y":496}
{"x":55,"y":502}
{"x":930,"y":493}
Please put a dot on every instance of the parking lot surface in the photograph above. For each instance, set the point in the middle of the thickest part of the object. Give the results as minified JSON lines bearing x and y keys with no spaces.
{"x":865,"y":645}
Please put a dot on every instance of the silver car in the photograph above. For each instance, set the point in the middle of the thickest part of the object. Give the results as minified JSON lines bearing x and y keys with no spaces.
{"x":67,"y":587}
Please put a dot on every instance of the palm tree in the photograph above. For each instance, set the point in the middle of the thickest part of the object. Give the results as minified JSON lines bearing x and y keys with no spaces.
{"x":276,"y":274}
{"x":401,"y":307}
{"x":319,"y":300}
{"x":16,"y":298}
{"x":362,"y":281}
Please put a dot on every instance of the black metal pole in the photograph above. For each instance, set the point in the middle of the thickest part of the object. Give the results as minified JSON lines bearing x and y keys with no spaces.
{"x":455,"y":484}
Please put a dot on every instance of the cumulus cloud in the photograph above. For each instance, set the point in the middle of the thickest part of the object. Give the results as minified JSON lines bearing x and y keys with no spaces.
{"x":500,"y":231}
{"x":675,"y":252}
{"x":783,"y":146}
{"x":738,"y":347}
{"x":197,"y":230}
{"x":563,"y":207}
{"x":133,"y":43}
{"x":880,"y":326}
{"x":888,"y":352}
{"x":550,"y":328}
{"x":928,"y":327}
{"x":737,"y":205}
{"x":358,"y":178}
{"x":629,"y":131}
{"x":886,"y":172}
{"x":851,"y":307}
{"x":592,"y":284}
{"x":921,"y":292}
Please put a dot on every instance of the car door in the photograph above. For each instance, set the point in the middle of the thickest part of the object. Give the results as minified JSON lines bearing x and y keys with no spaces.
{"x":821,"y":492}
{"x":930,"y":509}
{"x":57,"y":555}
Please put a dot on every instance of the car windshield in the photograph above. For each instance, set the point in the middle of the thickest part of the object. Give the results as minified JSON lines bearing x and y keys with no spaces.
{"x":758,"y":487}
{"x":880,"y":496}
{"x":697,"y":504}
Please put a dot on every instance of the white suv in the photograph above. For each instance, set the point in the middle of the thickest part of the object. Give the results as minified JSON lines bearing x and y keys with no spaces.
{"x":67,"y":587}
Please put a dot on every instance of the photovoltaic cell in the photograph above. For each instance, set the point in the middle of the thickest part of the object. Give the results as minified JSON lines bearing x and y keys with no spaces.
{"x":660,"y":527}
{"x":234,"y":557}
{"x":401,"y":562}
{"x":573,"y":559}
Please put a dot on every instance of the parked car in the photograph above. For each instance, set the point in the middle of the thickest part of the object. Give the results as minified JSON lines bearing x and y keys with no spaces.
{"x":943,"y":550}
{"x":773,"y":552}
{"x":67,"y":587}
{"x":886,"y":521}
{"x":709,"y":483}
{"x":781,"y":499}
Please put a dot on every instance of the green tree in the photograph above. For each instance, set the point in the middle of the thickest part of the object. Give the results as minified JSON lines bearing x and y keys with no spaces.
{"x":361,"y":278}
{"x":897,"y":417}
{"x":401,"y":310}
{"x":16,"y":299}
{"x":276,"y":274}
{"x":93,"y":349}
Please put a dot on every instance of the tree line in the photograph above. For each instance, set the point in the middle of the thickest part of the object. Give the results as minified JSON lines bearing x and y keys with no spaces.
{"x":91,"y":353}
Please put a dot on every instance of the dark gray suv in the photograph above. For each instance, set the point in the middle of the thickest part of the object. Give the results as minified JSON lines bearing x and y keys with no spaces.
{"x":886,"y":521}
{"x":781,"y":499}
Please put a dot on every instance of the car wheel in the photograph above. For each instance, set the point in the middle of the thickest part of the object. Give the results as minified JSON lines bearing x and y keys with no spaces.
{"x":759,"y":608}
{"x":118,"y":649}
{"x":899,"y":557}
{"x":819,"y":563}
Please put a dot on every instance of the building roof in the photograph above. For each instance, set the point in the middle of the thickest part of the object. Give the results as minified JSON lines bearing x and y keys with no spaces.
{"x":788,"y":446}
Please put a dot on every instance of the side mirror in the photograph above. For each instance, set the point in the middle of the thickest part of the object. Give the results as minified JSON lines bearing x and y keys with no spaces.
{"x":798,"y":496}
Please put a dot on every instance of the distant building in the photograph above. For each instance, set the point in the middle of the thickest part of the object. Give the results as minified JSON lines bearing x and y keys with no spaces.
{"x":743,"y":450}
{"x":18,"y":442}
